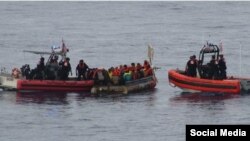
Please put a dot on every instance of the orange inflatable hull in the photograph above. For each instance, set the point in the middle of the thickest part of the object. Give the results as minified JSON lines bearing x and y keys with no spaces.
{"x":203,"y":85}
{"x":54,"y":85}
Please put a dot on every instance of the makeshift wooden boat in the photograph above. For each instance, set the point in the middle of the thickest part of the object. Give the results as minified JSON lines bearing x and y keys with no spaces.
{"x":233,"y":85}
{"x":15,"y":81}
{"x":142,"y":84}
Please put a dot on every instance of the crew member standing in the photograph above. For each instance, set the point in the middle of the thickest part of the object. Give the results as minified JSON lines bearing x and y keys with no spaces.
{"x":214,"y":69}
{"x":81,"y":69}
{"x":66,"y":68}
{"x":191,"y":66}
{"x":222,"y":67}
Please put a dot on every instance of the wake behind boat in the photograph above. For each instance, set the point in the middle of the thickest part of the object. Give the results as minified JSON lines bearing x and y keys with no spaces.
{"x":209,"y":77}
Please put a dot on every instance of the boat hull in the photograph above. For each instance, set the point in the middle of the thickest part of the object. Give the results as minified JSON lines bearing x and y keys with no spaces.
{"x":54,"y":85}
{"x":203,"y":85}
{"x":7,"y":82}
{"x":146,"y":83}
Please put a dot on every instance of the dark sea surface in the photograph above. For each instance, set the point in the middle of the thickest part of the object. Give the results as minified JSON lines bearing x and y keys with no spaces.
{"x":107,"y":34}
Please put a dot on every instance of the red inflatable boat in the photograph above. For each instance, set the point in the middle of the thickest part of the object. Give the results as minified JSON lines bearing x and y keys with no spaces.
{"x":203,"y":82}
{"x":54,"y":85}
{"x":192,"y":84}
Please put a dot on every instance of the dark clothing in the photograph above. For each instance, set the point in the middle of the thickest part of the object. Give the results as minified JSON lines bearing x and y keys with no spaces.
{"x":101,"y":77}
{"x":213,"y":69}
{"x":39,"y":71}
{"x":222,"y":69}
{"x":25,"y":69}
{"x":81,"y":71}
{"x":191,"y":68}
{"x":66,"y":68}
{"x":52,"y":71}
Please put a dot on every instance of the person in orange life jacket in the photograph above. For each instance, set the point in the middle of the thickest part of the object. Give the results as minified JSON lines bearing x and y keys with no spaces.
{"x":191,"y":66}
{"x":116,"y":72}
{"x":132,"y":68}
{"x":116,"y":75}
{"x":139,"y":70}
{"x":147,"y":69}
{"x":110,"y":72}
{"x":81,"y":69}
{"x":66,"y":68}
{"x":124,"y":69}
{"x":213,"y":68}
{"x":222,"y":67}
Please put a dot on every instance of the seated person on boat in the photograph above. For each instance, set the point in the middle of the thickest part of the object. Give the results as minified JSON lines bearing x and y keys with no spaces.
{"x":120,"y":75}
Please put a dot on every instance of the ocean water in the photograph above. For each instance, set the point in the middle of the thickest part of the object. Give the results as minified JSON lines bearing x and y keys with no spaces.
{"x":107,"y":34}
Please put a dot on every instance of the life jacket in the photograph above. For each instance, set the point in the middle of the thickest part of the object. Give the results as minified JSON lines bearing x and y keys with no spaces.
{"x":132,"y":69}
{"x":16,"y":73}
{"x":116,"y":72}
{"x":98,"y":74}
{"x":148,"y":71}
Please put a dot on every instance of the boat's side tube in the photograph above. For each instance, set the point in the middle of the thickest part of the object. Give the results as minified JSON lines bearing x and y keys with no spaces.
{"x":205,"y":85}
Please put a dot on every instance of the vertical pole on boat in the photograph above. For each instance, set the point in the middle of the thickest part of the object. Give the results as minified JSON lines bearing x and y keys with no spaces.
{"x":150,"y":53}
{"x":240,"y":58}
{"x":150,"y":56}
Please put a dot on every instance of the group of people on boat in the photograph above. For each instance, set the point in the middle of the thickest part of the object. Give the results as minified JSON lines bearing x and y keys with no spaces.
{"x":54,"y":70}
{"x":215,"y":69}
{"x":123,"y":73}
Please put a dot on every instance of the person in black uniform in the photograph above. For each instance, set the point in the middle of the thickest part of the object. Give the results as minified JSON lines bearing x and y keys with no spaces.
{"x":39,"y":70}
{"x":66,"y":68}
{"x":81,"y":69}
{"x":191,"y":66}
{"x":222,"y":67}
{"x":213,"y":68}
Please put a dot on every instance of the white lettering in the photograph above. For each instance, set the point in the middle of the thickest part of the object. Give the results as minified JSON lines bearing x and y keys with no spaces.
{"x":192,"y":132}
{"x":223,"y":132}
{"x":237,"y":132}
{"x":207,"y":132}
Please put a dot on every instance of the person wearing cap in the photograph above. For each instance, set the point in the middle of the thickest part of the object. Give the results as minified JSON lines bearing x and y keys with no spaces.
{"x":222,"y":67}
{"x":81,"y":70}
